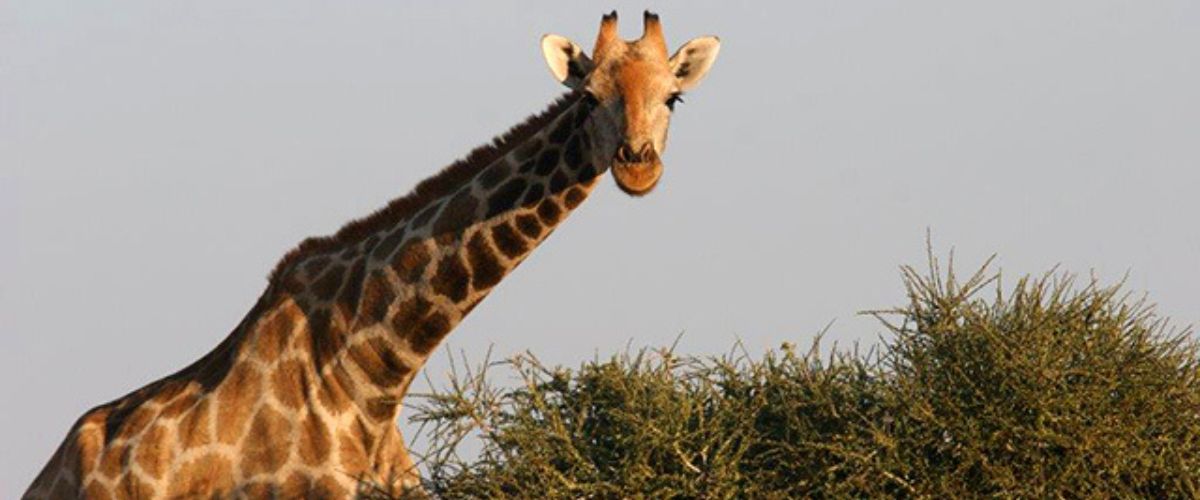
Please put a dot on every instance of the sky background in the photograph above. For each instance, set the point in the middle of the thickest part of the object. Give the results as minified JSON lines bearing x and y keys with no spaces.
{"x":157,"y":158}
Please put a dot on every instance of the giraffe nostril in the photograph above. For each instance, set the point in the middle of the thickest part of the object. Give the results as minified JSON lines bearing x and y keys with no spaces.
{"x":625,"y":153}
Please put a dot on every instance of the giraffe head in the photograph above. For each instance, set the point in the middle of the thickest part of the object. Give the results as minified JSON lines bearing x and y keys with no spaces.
{"x":635,"y":86}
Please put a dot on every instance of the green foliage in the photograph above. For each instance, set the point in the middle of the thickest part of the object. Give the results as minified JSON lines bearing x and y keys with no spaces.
{"x":1049,"y":390}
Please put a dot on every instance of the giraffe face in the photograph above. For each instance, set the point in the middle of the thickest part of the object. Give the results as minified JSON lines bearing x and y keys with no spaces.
{"x":636,"y":87}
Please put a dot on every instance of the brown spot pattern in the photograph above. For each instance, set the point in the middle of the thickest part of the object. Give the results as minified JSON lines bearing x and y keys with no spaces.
{"x":528,"y":149}
{"x":378,"y":295}
{"x":352,"y":290}
{"x":392,"y":362}
{"x":587,"y":173}
{"x":257,"y":489}
{"x":388,"y":245}
{"x":297,"y":486}
{"x":491,"y":177}
{"x":411,"y":261}
{"x":113,"y":460}
{"x":529,"y":226}
{"x":573,"y":153}
{"x":533,"y":195}
{"x":486,"y":271}
{"x":423,"y":217}
{"x":573,"y":198}
{"x":561,"y":131}
{"x":409,"y":314}
{"x":369,"y":245}
{"x":333,"y":396}
{"x":93,"y":491}
{"x":505,"y":198}
{"x":328,"y":487}
{"x":549,"y":212}
{"x":327,"y":285}
{"x":558,"y":181}
{"x":206,"y":476}
{"x":291,"y":283}
{"x":89,"y":444}
{"x":289,"y":383}
{"x":381,"y":409}
{"x":458,"y":214}
{"x":438,"y":186}
{"x":430,"y":333}
{"x":152,"y":451}
{"x":345,"y":381}
{"x":314,"y":441}
{"x":180,"y":405}
{"x":352,"y":454}
{"x":235,"y":401}
{"x":379,"y":362}
{"x":132,"y":487}
{"x":581,"y":115}
{"x":193,"y":428}
{"x":232,"y":406}
{"x":508,"y":241}
{"x":266,"y":447}
{"x":327,"y":337}
{"x":272,"y":335}
{"x":547,"y":161}
{"x":451,"y":279}
{"x":316,"y":264}
{"x":137,"y":421}
{"x":168,"y":390}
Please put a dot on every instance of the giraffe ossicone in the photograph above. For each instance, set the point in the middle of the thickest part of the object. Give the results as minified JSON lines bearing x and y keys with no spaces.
{"x":301,"y":399}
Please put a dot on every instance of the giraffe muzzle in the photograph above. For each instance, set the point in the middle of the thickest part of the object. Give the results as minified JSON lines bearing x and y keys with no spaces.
{"x":637,"y":172}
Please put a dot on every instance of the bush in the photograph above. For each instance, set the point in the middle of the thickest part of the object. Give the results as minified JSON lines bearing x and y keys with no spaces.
{"x":1049,"y":390}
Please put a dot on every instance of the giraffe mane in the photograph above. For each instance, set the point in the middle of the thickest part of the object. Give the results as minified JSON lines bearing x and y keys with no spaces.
{"x":441,"y":184}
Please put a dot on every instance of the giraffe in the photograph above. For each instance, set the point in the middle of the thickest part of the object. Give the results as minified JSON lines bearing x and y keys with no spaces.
{"x":302,"y":398}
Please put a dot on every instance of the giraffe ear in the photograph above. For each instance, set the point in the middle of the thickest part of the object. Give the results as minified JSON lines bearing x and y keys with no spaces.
{"x":567,"y":61}
{"x":691,"y":62}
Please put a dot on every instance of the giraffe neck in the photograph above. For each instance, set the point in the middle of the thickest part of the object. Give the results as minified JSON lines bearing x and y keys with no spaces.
{"x":309,"y":383}
{"x":377,"y":307}
{"x":451,"y":254}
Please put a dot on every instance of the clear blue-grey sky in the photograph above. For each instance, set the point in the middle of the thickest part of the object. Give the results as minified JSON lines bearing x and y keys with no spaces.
{"x":157,"y":157}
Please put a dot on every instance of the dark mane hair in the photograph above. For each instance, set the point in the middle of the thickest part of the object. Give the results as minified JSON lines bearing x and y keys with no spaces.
{"x":441,"y":184}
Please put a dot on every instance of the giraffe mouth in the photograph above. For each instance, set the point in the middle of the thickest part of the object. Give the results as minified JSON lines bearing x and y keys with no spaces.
{"x":637,"y":174}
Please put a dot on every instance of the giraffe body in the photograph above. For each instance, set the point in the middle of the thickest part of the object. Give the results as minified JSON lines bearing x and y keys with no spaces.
{"x":301,"y":399}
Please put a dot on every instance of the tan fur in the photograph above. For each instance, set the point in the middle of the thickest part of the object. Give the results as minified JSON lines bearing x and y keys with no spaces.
{"x":428,"y":190}
{"x":301,"y":398}
{"x":633,"y":81}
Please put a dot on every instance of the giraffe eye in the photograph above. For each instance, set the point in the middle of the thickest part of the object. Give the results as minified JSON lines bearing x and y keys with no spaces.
{"x":673,"y":100}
